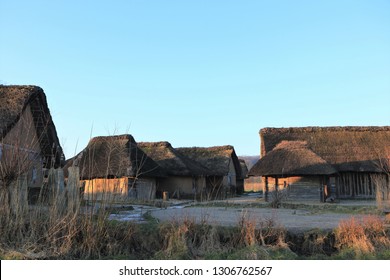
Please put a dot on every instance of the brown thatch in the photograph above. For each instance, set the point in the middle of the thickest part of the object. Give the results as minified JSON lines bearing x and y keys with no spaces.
{"x":216,"y":159}
{"x":347,"y":149}
{"x":114,"y":157}
{"x":13,"y":102}
{"x":171,"y":160}
{"x":244,"y":169}
{"x":291,"y":158}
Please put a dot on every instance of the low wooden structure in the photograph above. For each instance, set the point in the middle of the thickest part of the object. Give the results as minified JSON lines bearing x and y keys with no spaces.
{"x":114,"y":168}
{"x":224,"y":167}
{"x":347,"y":161}
{"x":29,"y":144}
{"x":186,"y":178}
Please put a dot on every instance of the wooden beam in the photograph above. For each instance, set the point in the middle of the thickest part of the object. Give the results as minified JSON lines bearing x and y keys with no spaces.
{"x":321,"y":185}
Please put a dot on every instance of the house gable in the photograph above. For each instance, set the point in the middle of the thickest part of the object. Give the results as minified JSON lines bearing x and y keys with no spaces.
{"x":28,"y":104}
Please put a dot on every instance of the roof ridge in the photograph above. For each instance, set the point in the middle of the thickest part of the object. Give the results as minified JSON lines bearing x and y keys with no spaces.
{"x":325,"y":128}
{"x":113,"y":137}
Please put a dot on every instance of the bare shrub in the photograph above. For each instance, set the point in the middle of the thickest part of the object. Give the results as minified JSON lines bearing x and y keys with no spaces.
{"x":247,"y":230}
{"x":277,"y":197}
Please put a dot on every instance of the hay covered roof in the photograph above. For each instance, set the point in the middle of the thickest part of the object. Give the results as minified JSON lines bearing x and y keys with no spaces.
{"x":114,"y":157}
{"x":244,"y":169}
{"x":217,"y":159}
{"x":347,"y":149}
{"x":13,"y":102}
{"x":291,"y":158}
{"x":171,"y":160}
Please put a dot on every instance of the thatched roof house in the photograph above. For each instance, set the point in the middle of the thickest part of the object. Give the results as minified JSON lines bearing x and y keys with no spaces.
{"x":223,"y":164}
{"x":29,"y":143}
{"x":292,"y":158}
{"x":251,"y":183}
{"x":350,"y":148}
{"x":217,"y":159}
{"x":240,"y":180}
{"x":28,"y":104}
{"x":111,"y":160}
{"x":244,"y":168}
{"x":115,"y":156}
{"x":186,"y":177}
{"x":171,"y":160}
{"x":349,"y":156}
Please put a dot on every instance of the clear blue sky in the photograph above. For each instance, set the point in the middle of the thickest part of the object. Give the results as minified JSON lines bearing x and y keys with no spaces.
{"x":199,"y":73}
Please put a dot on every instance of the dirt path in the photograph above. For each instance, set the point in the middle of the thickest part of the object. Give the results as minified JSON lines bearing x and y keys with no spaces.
{"x":292,"y":220}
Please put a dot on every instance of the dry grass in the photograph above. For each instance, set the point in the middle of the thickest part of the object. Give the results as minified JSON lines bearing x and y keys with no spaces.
{"x":259,"y":231}
{"x":50,"y":231}
{"x":314,"y":243}
{"x":365,"y":236}
{"x":58,"y":229}
{"x":251,"y":239}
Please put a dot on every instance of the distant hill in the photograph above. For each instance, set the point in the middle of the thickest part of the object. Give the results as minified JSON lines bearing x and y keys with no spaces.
{"x":249,"y":160}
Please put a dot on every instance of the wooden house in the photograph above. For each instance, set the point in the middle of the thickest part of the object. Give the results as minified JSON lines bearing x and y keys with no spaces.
{"x":186,"y":178}
{"x":240,"y":180}
{"x":251,"y":183}
{"x":28,"y":139}
{"x":224,"y":167}
{"x":324,"y":163}
{"x":114,"y":168}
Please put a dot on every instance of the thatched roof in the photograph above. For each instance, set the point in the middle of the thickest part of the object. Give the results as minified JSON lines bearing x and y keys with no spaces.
{"x":171,"y":160}
{"x":354,"y":149}
{"x":291,"y":158}
{"x":244,"y":169}
{"x":216,"y":159}
{"x":114,"y":156}
{"x":13,"y":102}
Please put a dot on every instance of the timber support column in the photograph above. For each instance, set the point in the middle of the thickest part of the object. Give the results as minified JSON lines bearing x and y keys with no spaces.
{"x":322,"y":189}
{"x":276,"y":184}
{"x":266,"y":189}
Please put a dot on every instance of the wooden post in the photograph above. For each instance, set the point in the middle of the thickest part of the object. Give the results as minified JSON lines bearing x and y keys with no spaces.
{"x":266,"y":189}
{"x":18,"y":197}
{"x":57,"y":189}
{"x":165,"y":196}
{"x":276,"y":184}
{"x":73,"y":189}
{"x":353,"y":186}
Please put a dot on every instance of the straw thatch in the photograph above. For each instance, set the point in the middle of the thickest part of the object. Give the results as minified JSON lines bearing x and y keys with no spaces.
{"x":244,"y":168}
{"x":291,"y":158}
{"x":114,"y":157}
{"x":13,"y":102}
{"x":216,"y":159}
{"x":347,"y":149}
{"x":172,"y":161}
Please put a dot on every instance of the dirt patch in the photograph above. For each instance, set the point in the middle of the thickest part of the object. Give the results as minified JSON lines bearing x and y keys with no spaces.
{"x":294,"y":220}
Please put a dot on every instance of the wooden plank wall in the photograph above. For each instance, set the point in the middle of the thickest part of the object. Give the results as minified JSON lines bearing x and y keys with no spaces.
{"x":303,"y":188}
{"x":355,"y":185}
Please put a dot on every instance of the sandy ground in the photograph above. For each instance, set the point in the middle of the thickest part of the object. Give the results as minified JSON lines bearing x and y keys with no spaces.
{"x":292,"y":220}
